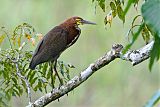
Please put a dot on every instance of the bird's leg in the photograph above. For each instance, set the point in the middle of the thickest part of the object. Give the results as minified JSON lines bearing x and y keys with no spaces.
{"x":55,"y":69}
{"x":52,"y":75}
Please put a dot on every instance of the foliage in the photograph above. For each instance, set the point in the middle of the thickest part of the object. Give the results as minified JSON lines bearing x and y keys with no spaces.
{"x":148,"y":27}
{"x":39,"y":79}
{"x":150,"y":10}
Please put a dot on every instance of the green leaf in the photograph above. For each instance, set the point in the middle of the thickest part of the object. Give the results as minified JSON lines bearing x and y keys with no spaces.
{"x":39,"y":85}
{"x":155,"y":52}
{"x":5,"y":73}
{"x":113,"y":8}
{"x":71,"y":65}
{"x":135,"y":18}
{"x":44,"y":68}
{"x":61,"y":66}
{"x":3,"y":99}
{"x":135,"y":36}
{"x":9,"y":93}
{"x":33,"y":80}
{"x":15,"y":81}
{"x":151,"y":14}
{"x":19,"y":41}
{"x":118,"y":2}
{"x":54,"y":79}
{"x":128,"y":6}
{"x":25,"y":68}
{"x":122,"y":1}
{"x":120,"y":13}
{"x":48,"y":75}
{"x":146,"y":34}
{"x":24,"y":85}
{"x":67,"y":72}
{"x":102,"y":4}
{"x":18,"y":89}
{"x":2,"y":38}
{"x":15,"y":92}
{"x":31,"y":76}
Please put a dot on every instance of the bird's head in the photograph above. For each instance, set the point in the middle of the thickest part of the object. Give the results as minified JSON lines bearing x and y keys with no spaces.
{"x":80,"y":21}
{"x":75,"y":21}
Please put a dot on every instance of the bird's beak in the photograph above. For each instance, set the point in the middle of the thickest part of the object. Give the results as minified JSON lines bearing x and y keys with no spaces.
{"x":87,"y":22}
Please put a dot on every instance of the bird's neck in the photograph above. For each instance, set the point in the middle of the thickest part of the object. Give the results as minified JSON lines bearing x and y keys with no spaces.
{"x":72,"y":29}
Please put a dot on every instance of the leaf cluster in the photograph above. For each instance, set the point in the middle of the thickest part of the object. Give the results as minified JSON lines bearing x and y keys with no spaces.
{"x":39,"y":79}
{"x":148,"y":26}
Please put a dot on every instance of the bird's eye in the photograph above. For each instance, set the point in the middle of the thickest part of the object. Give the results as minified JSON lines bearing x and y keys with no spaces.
{"x":78,"y":22}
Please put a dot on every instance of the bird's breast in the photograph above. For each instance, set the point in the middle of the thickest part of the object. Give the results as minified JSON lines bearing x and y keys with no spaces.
{"x":73,"y":35}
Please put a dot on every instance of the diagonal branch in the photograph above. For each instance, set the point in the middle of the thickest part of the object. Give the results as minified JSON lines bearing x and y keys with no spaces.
{"x":135,"y":57}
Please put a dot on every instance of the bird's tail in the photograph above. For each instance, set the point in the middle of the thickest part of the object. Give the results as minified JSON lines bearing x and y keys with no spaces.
{"x":32,"y":65}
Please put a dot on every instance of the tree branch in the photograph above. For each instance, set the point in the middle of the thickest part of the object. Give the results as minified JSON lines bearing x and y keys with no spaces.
{"x":135,"y":57}
{"x":26,"y":81}
{"x":15,"y":61}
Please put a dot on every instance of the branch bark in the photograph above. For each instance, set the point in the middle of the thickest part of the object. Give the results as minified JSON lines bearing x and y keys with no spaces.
{"x":135,"y":57}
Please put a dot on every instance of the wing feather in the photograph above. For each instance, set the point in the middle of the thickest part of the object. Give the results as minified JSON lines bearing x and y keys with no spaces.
{"x":50,"y":47}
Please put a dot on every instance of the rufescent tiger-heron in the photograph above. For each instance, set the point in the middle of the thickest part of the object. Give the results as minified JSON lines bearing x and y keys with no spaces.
{"x":56,"y":41}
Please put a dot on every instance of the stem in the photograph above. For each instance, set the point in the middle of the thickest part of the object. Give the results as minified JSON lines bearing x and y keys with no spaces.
{"x":8,"y":38}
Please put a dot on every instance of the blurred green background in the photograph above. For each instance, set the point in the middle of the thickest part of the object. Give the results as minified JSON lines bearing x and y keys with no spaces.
{"x":117,"y":85}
